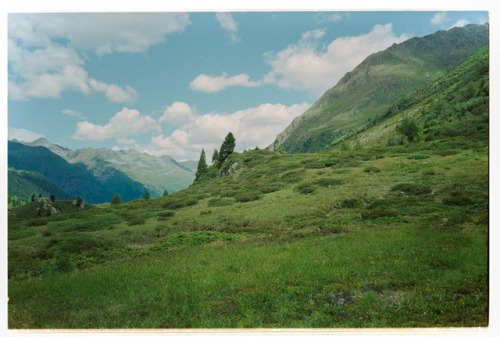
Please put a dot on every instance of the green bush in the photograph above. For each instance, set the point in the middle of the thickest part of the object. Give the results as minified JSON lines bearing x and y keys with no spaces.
{"x":272,"y":187}
{"x":219,"y":202}
{"x":313,"y":163}
{"x":412,"y":188}
{"x":164,"y":215}
{"x":418,"y":156}
{"x":37,"y":222}
{"x":378,"y":213}
{"x":458,"y":200}
{"x":246,"y":196}
{"x":293,"y":176}
{"x":136,"y":220}
{"x":371,"y":169}
{"x":328,"y":182}
{"x":305,"y":188}
{"x":351,"y":203}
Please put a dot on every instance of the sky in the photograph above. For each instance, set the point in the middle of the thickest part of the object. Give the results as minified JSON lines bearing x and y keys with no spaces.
{"x":175,"y":83}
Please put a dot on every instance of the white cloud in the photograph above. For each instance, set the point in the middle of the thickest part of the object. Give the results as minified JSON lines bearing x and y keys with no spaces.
{"x":125,"y":123}
{"x":460,"y":23}
{"x":210,"y":84}
{"x":23,"y":135}
{"x":113,"y":92}
{"x":69,"y":112}
{"x":251,"y":127}
{"x":227,"y":23}
{"x":302,"y":66}
{"x":177,"y":114}
{"x":44,"y":50}
{"x":439,"y":18}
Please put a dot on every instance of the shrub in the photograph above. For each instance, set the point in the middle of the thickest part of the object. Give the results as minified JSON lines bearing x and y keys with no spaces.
{"x":458,"y":200}
{"x":445,"y":153}
{"x":37,"y":222}
{"x":293,"y":176}
{"x":269,"y":188}
{"x":412,"y":188}
{"x":418,"y":156}
{"x":351,"y":203}
{"x":378,"y":213}
{"x":305,"y":188}
{"x":313,"y":163}
{"x":218,"y":202}
{"x":371,"y":169}
{"x":245,"y":196}
{"x":328,"y":182}
{"x":164,"y":215}
{"x":136,"y":220}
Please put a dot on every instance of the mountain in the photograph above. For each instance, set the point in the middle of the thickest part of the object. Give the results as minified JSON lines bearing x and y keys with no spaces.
{"x":74,"y":179}
{"x":23,"y":184}
{"x":156,"y":174}
{"x":375,"y":84}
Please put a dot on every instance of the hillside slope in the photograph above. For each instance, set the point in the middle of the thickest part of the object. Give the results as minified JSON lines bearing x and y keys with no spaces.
{"x":374,"y":85}
{"x":23,"y":184}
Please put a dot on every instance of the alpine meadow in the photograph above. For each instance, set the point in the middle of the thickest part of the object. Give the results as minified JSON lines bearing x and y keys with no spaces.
{"x":369,"y":208}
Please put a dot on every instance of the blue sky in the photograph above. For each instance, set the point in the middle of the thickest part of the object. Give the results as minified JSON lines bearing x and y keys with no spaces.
{"x":174,"y":83}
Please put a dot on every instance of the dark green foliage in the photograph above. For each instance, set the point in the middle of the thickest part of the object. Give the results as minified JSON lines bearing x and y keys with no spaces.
{"x":245,"y":196}
{"x":378,"y":213}
{"x":136,"y":220}
{"x":146,"y":195}
{"x":175,"y":203}
{"x":293,"y":176}
{"x":53,"y":198}
{"x":459,"y":200}
{"x":271,"y":187}
{"x":409,"y":129}
{"x":351,"y":203}
{"x":305,"y":188}
{"x":116,"y":200}
{"x":313,"y":163}
{"x":165,"y":193}
{"x":418,"y":156}
{"x":164,"y":215}
{"x":37,"y":222}
{"x":78,"y":201}
{"x":218,"y":202}
{"x":371,"y":169}
{"x":215,"y":156}
{"x":227,"y":147}
{"x":412,"y":188}
{"x":202,"y":165}
{"x":328,"y":182}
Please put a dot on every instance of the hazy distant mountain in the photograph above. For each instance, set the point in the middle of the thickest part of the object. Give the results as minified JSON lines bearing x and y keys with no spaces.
{"x":375,"y":84}
{"x":23,"y":184}
{"x":156,"y":174}
{"x":74,"y":179}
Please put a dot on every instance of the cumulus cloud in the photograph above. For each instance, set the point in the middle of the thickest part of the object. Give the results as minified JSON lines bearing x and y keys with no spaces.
{"x":45,"y":50}
{"x":69,"y":112}
{"x":227,"y":23}
{"x":303,"y":66}
{"x":178,"y":113}
{"x":210,"y":84}
{"x":439,"y":18}
{"x":125,"y":123}
{"x":252,"y":127}
{"x":113,"y":92}
{"x":23,"y":134}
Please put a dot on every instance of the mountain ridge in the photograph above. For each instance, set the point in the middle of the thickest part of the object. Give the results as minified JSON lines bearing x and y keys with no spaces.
{"x":373,"y":85}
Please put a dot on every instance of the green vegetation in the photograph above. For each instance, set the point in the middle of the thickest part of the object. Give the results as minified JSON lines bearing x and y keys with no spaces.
{"x":375,"y":236}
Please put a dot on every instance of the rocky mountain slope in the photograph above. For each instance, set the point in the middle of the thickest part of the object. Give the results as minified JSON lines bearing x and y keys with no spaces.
{"x":374,"y":85}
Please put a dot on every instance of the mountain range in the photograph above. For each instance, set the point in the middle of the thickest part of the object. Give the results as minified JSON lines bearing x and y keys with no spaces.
{"x":97,"y":174}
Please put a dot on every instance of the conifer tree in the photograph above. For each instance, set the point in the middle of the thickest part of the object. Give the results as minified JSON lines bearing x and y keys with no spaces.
{"x":116,"y":200}
{"x":146,"y":195}
{"x":227,"y":147}
{"x":165,"y":193}
{"x":215,"y":156}
{"x":202,"y":165}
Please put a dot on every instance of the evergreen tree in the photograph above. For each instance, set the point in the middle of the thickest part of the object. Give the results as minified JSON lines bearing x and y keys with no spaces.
{"x":146,"y":195}
{"x":40,"y":196}
{"x":53,"y":198}
{"x":165,"y":193}
{"x":116,"y":200}
{"x":33,"y":197}
{"x":78,"y":201}
{"x":202,"y":165}
{"x":227,"y":147}
{"x":215,"y":156}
